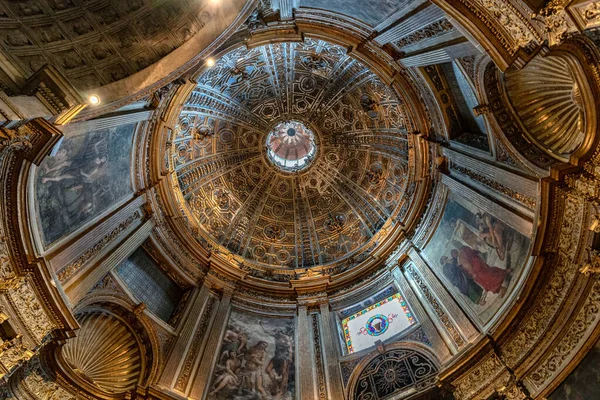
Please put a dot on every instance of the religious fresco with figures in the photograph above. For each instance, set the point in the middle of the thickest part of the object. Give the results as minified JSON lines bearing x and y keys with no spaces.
{"x":84,"y":176}
{"x":256,"y":359}
{"x":477,"y":255}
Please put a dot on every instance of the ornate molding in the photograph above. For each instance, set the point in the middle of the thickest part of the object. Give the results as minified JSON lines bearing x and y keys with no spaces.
{"x":494,"y":185}
{"x":69,"y":270}
{"x":321,"y":387}
{"x":577,"y":333}
{"x":435,"y":305}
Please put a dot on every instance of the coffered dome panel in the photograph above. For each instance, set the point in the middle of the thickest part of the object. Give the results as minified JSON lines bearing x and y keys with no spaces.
{"x":250,"y":122}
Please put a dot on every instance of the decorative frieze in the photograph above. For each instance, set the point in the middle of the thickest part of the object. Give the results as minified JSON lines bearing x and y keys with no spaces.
{"x":196,"y":344}
{"x":432,"y":30}
{"x":528,"y":201}
{"x":481,"y":377}
{"x":69,"y":270}
{"x":30,"y":310}
{"x":435,"y":305}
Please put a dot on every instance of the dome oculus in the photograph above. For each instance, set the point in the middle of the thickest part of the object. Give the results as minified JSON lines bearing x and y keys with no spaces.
{"x":291,"y":146}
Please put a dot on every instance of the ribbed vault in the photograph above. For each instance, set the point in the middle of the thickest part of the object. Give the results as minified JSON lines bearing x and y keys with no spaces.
{"x":242,"y":201}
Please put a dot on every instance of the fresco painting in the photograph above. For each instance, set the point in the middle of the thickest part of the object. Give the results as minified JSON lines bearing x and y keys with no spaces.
{"x":584,"y":382}
{"x":476,"y":255}
{"x":85,"y":175}
{"x":256,"y":359}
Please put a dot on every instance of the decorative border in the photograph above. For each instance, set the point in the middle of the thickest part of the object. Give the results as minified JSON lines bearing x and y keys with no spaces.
{"x":345,"y":321}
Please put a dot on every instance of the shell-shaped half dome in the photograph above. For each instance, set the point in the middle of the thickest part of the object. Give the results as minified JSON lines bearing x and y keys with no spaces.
{"x":547,"y":98}
{"x":290,"y":155}
{"x":104,"y":353}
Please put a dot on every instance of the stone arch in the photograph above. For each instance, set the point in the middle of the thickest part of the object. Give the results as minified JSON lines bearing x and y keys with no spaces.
{"x":556,"y":124}
{"x":402,"y":369}
{"x":134,"y":320}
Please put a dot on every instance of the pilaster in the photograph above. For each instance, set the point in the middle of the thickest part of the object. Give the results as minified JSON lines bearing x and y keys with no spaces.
{"x":209,"y":357}
{"x":440,"y":348}
{"x":195,"y":312}
{"x":306,"y":387}
{"x":434,"y":299}
{"x":331,"y":353}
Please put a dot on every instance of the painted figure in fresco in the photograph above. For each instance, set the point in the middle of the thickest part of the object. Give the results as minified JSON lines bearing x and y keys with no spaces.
{"x":230,"y":375}
{"x":55,"y":165}
{"x":466,"y":235}
{"x":491,"y":279}
{"x":80,"y":167}
{"x":460,"y":278}
{"x":495,"y":234}
{"x":253,"y":380}
{"x":235,"y":339}
{"x":279,"y":366}
{"x":75,"y":179}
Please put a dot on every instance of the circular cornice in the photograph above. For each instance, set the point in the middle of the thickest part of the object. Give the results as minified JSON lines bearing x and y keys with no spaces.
{"x":231,"y":266}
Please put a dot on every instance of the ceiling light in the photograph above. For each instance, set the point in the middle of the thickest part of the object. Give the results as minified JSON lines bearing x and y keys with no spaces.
{"x":94,"y":100}
{"x":210,"y":62}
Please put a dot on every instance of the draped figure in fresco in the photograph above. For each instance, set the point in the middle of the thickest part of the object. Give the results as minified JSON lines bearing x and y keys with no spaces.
{"x":495,"y":234}
{"x":491,"y":279}
{"x":460,"y":278}
{"x":73,"y":175}
{"x":252,"y":372}
{"x":234,"y":339}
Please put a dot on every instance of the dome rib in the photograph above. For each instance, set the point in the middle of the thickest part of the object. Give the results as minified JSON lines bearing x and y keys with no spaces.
{"x":249,"y":194}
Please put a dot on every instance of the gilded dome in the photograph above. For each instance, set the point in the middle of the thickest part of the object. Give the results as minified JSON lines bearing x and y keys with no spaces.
{"x":290,"y":155}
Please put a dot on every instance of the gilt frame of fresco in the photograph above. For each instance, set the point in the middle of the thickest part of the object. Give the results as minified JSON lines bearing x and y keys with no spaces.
{"x":78,"y":139}
{"x":250,"y":339}
{"x":486,"y":257}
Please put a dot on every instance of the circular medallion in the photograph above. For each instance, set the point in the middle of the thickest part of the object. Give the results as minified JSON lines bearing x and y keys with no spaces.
{"x":377,"y":324}
{"x":291,"y":146}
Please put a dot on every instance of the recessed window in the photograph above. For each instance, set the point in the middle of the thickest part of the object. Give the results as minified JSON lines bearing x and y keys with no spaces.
{"x":291,"y":146}
{"x":378,"y":321}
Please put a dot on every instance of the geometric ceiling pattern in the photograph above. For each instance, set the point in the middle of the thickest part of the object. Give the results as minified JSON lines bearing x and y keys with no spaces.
{"x":327,"y":211}
{"x":95,"y":42}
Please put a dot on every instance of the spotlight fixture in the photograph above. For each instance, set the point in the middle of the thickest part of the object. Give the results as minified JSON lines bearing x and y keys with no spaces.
{"x":94,"y":100}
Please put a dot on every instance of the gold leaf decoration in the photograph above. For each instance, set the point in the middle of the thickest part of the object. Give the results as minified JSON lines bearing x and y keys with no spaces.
{"x":104,"y":353}
{"x":548,"y":102}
